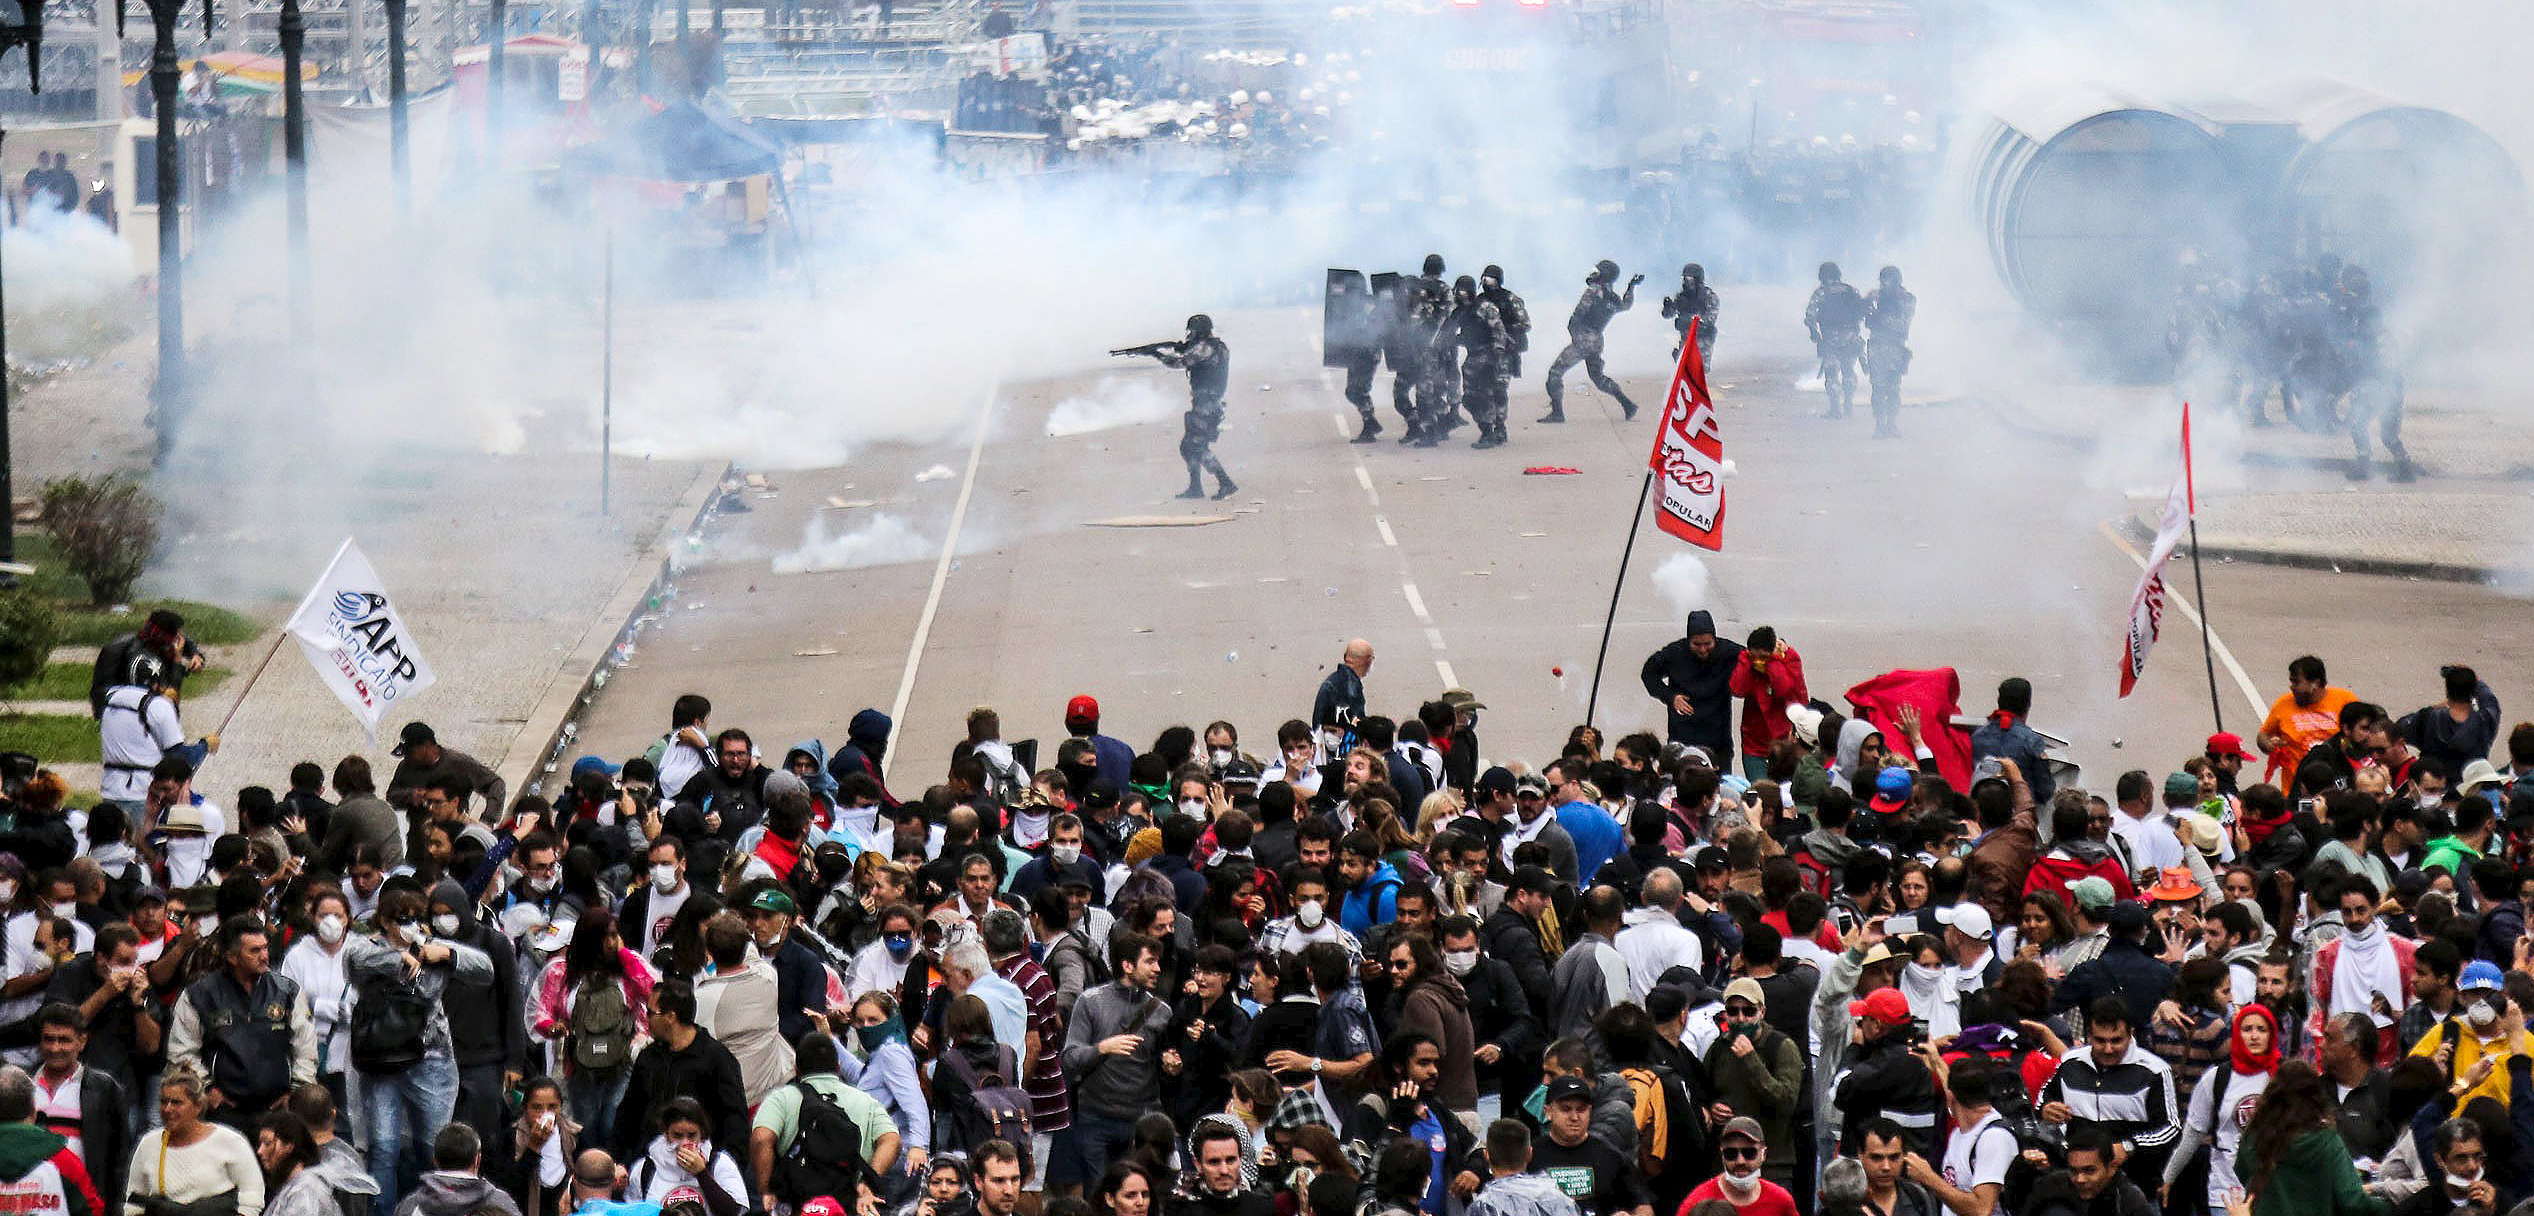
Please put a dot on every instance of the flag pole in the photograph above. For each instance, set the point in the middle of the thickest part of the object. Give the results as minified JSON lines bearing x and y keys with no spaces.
{"x":279,"y":636}
{"x":2199,"y":584}
{"x":1636,"y":519}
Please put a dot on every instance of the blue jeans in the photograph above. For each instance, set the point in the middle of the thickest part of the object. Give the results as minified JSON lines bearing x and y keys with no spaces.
{"x":401,"y":1113}
{"x":594,"y":1103}
{"x":1095,"y":1137}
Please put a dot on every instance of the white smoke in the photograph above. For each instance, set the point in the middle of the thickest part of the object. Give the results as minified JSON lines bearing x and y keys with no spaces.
{"x":1683,"y":581}
{"x":886,"y":540}
{"x":1115,"y":402}
{"x":69,"y":287}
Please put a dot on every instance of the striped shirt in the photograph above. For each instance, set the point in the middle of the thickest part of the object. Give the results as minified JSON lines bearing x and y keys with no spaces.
{"x":2132,"y":1100}
{"x":1049,"y":1107}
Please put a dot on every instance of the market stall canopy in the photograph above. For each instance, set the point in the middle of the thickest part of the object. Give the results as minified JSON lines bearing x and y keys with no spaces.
{"x":683,"y":142}
{"x":237,"y":72}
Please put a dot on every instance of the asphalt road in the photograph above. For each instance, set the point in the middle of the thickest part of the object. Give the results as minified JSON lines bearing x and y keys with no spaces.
{"x":1966,"y":543}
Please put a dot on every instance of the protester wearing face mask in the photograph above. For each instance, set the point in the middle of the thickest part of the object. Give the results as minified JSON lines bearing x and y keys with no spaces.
{"x":316,"y":964}
{"x":597,"y":958}
{"x":1312,"y":920}
{"x":2463,"y":1187}
{"x":539,"y":881}
{"x":2492,"y":1029}
{"x":881,"y":966}
{"x":403,"y":1108}
{"x":1742,"y":1150}
{"x":652,"y":906}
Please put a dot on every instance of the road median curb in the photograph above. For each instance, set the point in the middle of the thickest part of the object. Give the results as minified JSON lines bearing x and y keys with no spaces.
{"x":553,"y":723}
{"x":2138,"y":531}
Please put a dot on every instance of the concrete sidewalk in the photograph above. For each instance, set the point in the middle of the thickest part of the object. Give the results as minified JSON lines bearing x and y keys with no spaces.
{"x":2281,"y":495}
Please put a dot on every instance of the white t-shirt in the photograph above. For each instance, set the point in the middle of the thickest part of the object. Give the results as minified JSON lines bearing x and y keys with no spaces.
{"x":1979,"y":1154}
{"x":133,"y":733}
{"x":2152,"y":844}
{"x":664,"y":910}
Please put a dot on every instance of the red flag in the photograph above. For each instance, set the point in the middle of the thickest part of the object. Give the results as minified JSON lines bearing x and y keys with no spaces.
{"x":1688,"y":458}
{"x":2146,"y":604}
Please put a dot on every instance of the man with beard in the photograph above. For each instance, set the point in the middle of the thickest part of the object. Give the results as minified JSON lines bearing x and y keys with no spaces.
{"x":1693,"y":678}
{"x":1224,"y":1183}
{"x":2306,"y":714}
{"x":1404,"y":1108}
{"x":730,"y":796}
{"x":2092,"y":1184}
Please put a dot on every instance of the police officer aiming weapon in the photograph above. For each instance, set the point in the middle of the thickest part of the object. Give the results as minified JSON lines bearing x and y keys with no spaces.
{"x":1208,"y":363}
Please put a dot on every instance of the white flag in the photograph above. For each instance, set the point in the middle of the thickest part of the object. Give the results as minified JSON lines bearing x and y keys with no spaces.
{"x":349,"y":628}
{"x":2146,"y":606}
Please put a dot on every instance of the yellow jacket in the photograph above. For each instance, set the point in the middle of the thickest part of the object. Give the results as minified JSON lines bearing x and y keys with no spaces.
{"x":2469,"y":1049}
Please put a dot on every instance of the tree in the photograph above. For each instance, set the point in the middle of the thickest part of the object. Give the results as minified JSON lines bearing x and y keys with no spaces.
{"x":107,"y":528}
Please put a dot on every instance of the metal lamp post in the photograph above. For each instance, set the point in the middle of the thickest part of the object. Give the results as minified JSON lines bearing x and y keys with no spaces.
{"x":294,"y":32}
{"x":22,"y":27}
{"x":399,"y":149}
{"x":173,"y":385}
{"x":494,"y":46}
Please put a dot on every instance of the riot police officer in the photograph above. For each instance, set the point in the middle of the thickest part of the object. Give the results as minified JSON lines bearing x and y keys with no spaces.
{"x":1208,"y":363}
{"x":2375,"y":391}
{"x":1364,"y":320}
{"x":1696,"y":301}
{"x":1832,"y":317}
{"x":1888,"y":313}
{"x":1478,"y":329}
{"x":1584,"y":327}
{"x":1416,"y":350}
{"x":1517,"y":319}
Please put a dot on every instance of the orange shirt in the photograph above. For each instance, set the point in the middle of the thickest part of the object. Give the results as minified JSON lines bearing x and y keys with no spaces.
{"x":2302,"y":726}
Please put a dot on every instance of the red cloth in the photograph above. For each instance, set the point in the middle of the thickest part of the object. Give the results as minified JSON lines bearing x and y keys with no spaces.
{"x":2059,"y":873}
{"x":1938,"y":695}
{"x":2246,"y":1062}
{"x":1823,"y":936}
{"x":1766,"y":692}
{"x":779,"y":854}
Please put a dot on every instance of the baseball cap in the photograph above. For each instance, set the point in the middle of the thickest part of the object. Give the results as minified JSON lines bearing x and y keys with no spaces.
{"x":1495,"y":781}
{"x":1714,"y":857}
{"x":1885,"y":1005}
{"x":2480,"y":974}
{"x":1746,"y":1127}
{"x":2174,"y":884}
{"x":1462,"y":698}
{"x":149,"y":894}
{"x":2093,"y":892}
{"x":2181,"y":788}
{"x":415,"y":734}
{"x":1534,"y":879}
{"x":1807,"y":723}
{"x":594,"y":764}
{"x":1747,"y":989}
{"x":1082,"y":709}
{"x":1970,"y":920}
{"x":1100,"y":795}
{"x":1531,"y":783}
{"x":1570,"y":1089}
{"x":771,"y":900}
{"x":1891,"y":790}
{"x":2228,"y":743}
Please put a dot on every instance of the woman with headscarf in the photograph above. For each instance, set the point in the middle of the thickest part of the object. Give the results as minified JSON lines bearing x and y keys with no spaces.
{"x":2223,"y":1104}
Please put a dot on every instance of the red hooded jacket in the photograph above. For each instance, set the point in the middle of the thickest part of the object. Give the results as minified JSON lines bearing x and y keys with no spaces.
{"x":1766,"y":691}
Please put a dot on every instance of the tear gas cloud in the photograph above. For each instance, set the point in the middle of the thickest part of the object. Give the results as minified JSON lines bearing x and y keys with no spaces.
{"x":69,"y":289}
{"x":473,"y":325}
{"x":884,"y":540}
{"x":1115,"y":401}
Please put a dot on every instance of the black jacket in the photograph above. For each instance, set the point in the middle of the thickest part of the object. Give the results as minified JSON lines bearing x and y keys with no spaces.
{"x":1201,"y":1202}
{"x":2365,"y":1117}
{"x":1500,"y":1013}
{"x":740,"y":803}
{"x":705,"y":1071}
{"x":1510,"y":938}
{"x":1674,"y":671}
{"x":2055,"y":1195}
{"x":105,"y":1144}
{"x":1886,"y":1078}
{"x":486,"y":1027}
{"x":2122,"y":970}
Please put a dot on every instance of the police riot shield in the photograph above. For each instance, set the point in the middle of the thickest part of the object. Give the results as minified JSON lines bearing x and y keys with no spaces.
{"x":1346,"y":319}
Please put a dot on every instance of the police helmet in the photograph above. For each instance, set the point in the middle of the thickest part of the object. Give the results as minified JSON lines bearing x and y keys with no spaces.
{"x":1829,"y":272}
{"x":1200,"y":326}
{"x":1890,"y":276}
{"x":1694,"y":272}
{"x":1493,"y":275}
{"x":1606,"y":269}
{"x":1465,"y":286}
{"x":1434,"y":263}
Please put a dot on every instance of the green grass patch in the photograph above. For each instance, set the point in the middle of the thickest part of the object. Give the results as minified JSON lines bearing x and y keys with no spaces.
{"x":69,"y":682}
{"x":52,"y":577}
{"x":51,"y":738}
{"x":206,"y":624}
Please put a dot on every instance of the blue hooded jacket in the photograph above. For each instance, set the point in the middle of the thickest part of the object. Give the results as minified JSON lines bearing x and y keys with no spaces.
{"x":866,"y":741}
{"x":1374,"y":902}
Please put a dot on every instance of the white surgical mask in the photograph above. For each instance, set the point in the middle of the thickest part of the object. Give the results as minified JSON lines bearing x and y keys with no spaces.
{"x":2463,"y":1182}
{"x":65,"y":908}
{"x":1192,"y":806}
{"x":1064,"y":854}
{"x":2480,"y":1013}
{"x":8,"y":889}
{"x":1460,"y":962}
{"x":1308,"y":914}
{"x":664,"y":879}
{"x":1740,"y":1184}
{"x":541,"y":885}
{"x":330,"y":929}
{"x":1221,"y":756}
{"x":445,"y":924}
{"x":205,"y":926}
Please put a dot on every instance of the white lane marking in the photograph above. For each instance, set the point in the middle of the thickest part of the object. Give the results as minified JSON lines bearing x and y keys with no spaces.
{"x":1416,"y":603}
{"x":2252,"y":695}
{"x":1444,"y":669}
{"x":1344,"y":431}
{"x":1364,"y":478}
{"x":1434,"y":637}
{"x":941,"y":575}
{"x":1387,"y":537}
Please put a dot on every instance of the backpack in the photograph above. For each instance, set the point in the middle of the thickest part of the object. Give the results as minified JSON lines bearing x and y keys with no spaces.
{"x":388,"y":1022}
{"x":826,"y":1153}
{"x":1816,"y":875}
{"x":1670,"y":1139}
{"x":992,"y":1109}
{"x":600,"y":1027}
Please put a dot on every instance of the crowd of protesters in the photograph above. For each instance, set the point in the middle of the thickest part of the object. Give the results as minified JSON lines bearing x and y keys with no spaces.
{"x":1846,"y":959}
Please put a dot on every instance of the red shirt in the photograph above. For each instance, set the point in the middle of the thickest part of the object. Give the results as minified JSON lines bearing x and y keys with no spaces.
{"x":1825,"y":937}
{"x":1771,"y":1201}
